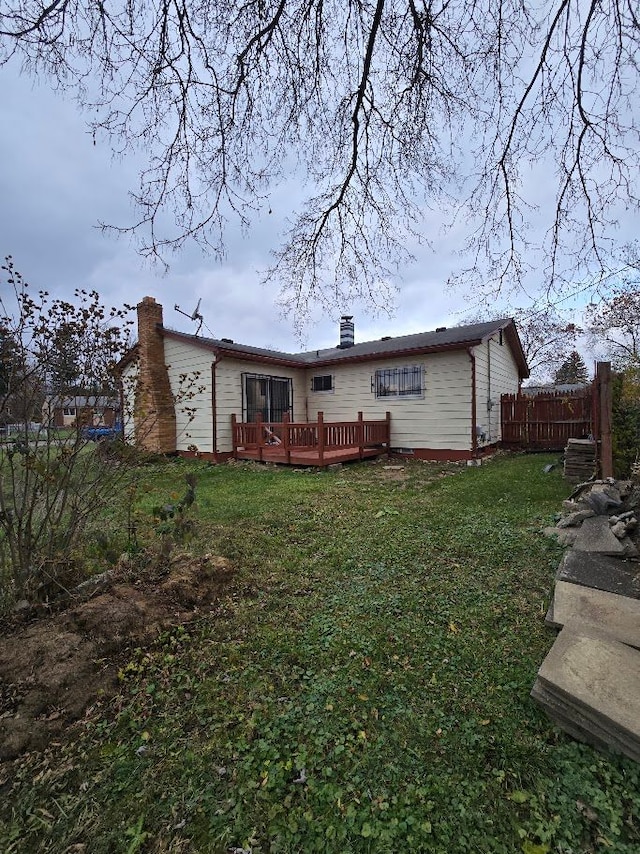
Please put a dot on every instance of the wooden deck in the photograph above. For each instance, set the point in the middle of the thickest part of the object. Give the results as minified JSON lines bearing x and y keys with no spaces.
{"x":310,"y":443}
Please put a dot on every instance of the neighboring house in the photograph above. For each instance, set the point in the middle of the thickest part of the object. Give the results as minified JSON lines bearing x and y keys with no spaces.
{"x":442,"y":389}
{"x":554,"y":388}
{"x":80,"y":410}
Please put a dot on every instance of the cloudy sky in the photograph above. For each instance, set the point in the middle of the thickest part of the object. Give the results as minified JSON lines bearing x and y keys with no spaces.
{"x":56,"y":185}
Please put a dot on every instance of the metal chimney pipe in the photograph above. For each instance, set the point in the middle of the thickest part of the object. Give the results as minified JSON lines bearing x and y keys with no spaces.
{"x":346,"y":331}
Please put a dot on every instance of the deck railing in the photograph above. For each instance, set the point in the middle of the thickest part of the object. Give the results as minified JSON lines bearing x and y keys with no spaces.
{"x":289,"y":436}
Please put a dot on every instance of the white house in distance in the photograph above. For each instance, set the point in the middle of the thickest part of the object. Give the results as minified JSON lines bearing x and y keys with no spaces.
{"x":441,"y":389}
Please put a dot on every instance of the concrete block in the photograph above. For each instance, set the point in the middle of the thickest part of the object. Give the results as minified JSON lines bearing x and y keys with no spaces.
{"x":575,"y":518}
{"x":604,"y":572}
{"x":617,"y":616}
{"x":595,"y":536}
{"x":549,"y":620}
{"x":572,"y":721}
{"x":594,"y":684}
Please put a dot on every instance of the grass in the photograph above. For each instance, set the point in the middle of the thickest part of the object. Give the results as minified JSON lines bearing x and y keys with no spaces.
{"x":363,"y":686}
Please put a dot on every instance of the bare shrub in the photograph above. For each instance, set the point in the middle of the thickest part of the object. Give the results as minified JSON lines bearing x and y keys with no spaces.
{"x":57,"y":383}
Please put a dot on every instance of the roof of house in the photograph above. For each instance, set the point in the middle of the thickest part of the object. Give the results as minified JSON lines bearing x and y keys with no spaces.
{"x":554,"y":388}
{"x":441,"y":340}
{"x":81,"y":401}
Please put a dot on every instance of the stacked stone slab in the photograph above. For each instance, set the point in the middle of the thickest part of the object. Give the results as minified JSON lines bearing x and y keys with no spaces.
{"x":580,"y":460}
{"x":589,"y":684}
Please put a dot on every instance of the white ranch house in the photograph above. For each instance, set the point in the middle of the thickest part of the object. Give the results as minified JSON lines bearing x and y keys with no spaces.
{"x":441,"y":389}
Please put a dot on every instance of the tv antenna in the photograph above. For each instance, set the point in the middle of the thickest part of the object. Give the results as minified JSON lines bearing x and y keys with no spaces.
{"x":195,"y":314}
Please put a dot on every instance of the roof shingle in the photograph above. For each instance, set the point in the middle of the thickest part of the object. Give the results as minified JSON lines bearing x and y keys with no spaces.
{"x":454,"y":338}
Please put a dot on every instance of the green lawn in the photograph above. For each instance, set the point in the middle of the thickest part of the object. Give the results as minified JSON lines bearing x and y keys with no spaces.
{"x":363,"y":687}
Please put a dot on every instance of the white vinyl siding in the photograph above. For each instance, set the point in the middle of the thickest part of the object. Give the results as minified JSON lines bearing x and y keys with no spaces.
{"x":189,"y":369}
{"x":496,"y":374}
{"x":440,"y":419}
{"x":229,"y":394}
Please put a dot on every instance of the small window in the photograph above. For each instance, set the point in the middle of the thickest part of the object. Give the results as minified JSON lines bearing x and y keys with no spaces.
{"x":322,"y":383}
{"x":399,"y":382}
{"x":69,"y":410}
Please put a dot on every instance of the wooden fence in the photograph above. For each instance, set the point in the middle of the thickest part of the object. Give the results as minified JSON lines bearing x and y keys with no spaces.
{"x":547,"y":421}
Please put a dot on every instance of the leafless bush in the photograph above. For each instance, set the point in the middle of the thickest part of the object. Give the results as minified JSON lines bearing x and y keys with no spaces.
{"x":57,"y":383}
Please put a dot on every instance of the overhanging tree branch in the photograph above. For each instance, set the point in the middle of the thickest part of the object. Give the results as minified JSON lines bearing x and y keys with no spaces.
{"x":384,"y":108}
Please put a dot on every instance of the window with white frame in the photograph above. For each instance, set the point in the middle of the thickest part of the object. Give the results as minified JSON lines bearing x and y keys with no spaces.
{"x":323,"y":382}
{"x":406,"y":381}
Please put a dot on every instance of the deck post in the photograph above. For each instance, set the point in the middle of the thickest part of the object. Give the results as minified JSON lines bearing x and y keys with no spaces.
{"x":260,"y":436}
{"x":286,"y":419}
{"x":360,"y":434}
{"x":234,"y":436}
{"x":321,"y":438}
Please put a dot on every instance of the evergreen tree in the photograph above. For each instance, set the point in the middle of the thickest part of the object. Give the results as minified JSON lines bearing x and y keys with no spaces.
{"x":572,"y":370}
{"x":61,"y":356}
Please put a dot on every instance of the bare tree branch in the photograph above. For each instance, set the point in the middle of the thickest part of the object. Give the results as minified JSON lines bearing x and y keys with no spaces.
{"x":384,"y":108}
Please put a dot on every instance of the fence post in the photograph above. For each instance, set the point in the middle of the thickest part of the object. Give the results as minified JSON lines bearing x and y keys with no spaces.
{"x":603,"y":374}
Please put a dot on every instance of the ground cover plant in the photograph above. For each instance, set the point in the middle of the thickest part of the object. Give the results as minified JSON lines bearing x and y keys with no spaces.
{"x":362,"y":685}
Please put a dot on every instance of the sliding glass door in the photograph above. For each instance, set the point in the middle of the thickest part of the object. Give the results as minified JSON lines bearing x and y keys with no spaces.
{"x":267,"y":396}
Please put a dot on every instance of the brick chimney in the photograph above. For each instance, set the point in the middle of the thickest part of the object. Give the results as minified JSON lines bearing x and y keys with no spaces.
{"x":155,"y":414}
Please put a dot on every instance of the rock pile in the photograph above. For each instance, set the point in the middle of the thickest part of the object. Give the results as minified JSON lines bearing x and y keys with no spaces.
{"x":597,"y":517}
{"x":589,"y":684}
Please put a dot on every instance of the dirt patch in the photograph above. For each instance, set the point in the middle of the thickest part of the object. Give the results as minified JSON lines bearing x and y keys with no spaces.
{"x":402,"y":472}
{"x":53,"y":668}
{"x":389,"y":472}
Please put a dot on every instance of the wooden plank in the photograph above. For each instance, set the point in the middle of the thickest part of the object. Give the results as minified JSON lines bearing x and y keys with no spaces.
{"x":308,"y":458}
